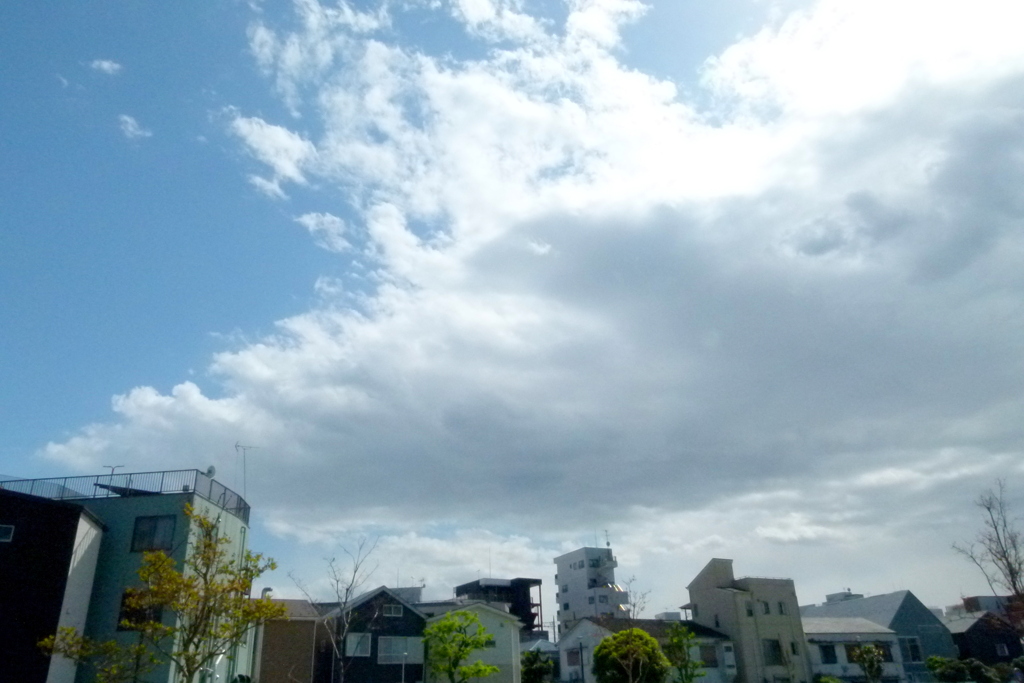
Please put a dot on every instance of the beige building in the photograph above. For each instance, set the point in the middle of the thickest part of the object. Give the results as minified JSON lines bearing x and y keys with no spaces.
{"x":762,"y":618}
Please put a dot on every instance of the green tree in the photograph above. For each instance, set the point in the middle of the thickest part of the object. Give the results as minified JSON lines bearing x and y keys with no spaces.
{"x":629,"y":656}
{"x":678,"y":649}
{"x":208,"y":599}
{"x":869,"y":658}
{"x":451,"y":640}
{"x":536,"y":668}
{"x":190,"y":617}
{"x":947,"y":670}
{"x":111,"y":661}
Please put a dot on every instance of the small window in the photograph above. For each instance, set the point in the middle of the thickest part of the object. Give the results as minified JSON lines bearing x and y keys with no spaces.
{"x":1002,"y":650}
{"x":130,"y":617}
{"x":750,"y":608}
{"x":694,"y":610}
{"x":153,"y":533}
{"x":603,"y":599}
{"x":709,"y":656}
{"x":782,"y":608}
{"x":910,"y":648}
{"x":765,"y":607}
{"x":392,"y":610}
{"x":590,"y":600}
{"x":828,"y":653}
{"x":717,"y":625}
{"x":793,"y":648}
{"x":357,"y":645}
{"x":565,"y":607}
{"x":565,"y":588}
{"x":6,"y":533}
{"x":771,"y":648}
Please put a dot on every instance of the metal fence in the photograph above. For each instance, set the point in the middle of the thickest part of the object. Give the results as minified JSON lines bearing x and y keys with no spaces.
{"x":132,"y":485}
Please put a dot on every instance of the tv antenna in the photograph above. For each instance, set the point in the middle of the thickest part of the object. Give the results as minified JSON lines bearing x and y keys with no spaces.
{"x":112,"y":468}
{"x":243,"y":450}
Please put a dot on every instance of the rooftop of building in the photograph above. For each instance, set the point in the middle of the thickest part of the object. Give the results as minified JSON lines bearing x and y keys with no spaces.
{"x":131,"y":485}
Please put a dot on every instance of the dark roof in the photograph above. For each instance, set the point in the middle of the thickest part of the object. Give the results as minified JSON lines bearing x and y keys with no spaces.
{"x":880,"y":609}
{"x":298,"y":609}
{"x":657,"y":628}
{"x":961,"y":622}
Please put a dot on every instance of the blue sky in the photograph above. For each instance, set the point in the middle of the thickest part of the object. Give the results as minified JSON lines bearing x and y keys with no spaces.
{"x":485,"y":277}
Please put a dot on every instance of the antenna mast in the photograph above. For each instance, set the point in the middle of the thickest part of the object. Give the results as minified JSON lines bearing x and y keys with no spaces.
{"x":243,"y":450}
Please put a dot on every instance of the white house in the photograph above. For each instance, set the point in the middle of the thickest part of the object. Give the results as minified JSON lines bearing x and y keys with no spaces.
{"x":576,"y":647}
{"x":505,"y":654}
{"x":831,"y":642}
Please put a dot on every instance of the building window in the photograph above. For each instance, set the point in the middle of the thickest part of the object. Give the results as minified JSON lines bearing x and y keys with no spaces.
{"x":357,"y":645}
{"x":765,"y":607}
{"x":886,"y":649}
{"x":6,"y":533}
{"x":153,"y":533}
{"x":573,"y":657}
{"x":590,"y":600}
{"x":1002,"y":650}
{"x":828,"y":654}
{"x":694,"y":610}
{"x":910,"y":648}
{"x":565,"y":588}
{"x":603,"y":599}
{"x":793,"y":649}
{"x":392,"y":610}
{"x":772,"y":650}
{"x":717,"y":625}
{"x":750,"y":608}
{"x":130,"y":617}
{"x":565,"y":607}
{"x":782,"y":608}
{"x":393,"y":650}
{"x":709,"y":656}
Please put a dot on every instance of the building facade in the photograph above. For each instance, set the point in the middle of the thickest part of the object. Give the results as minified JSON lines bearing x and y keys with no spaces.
{"x":135,"y":513}
{"x":920,"y":633}
{"x":832,"y":644}
{"x":762,"y":618}
{"x":585,"y":579}
{"x":576,"y":647}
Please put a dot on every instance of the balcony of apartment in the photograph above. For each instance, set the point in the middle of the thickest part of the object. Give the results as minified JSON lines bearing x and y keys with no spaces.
{"x":134,"y":485}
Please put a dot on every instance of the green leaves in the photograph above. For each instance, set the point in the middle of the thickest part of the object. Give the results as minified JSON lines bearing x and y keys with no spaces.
{"x":630,"y":656}
{"x":451,"y":640}
{"x":679,"y":652}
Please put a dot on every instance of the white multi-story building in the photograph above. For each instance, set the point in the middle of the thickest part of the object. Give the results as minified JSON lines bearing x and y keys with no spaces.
{"x":587,"y":588}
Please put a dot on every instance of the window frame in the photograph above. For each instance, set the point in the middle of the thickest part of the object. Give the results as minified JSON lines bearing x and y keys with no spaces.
{"x":390,"y":610}
{"x":138,"y":616}
{"x":6,"y":533}
{"x":354,"y":644}
{"x":151,"y":540}
{"x":828,"y":658}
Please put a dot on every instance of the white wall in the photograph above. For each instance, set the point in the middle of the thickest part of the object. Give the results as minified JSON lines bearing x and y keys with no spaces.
{"x":78,"y":591}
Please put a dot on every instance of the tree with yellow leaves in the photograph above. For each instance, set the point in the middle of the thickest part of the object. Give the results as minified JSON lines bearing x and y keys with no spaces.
{"x":190,"y":616}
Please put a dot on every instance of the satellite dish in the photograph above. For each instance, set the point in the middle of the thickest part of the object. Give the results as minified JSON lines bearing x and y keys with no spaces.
{"x":210,"y":471}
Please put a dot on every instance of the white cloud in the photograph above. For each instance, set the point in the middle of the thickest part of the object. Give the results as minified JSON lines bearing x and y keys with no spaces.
{"x":131,"y":128}
{"x":782,"y":326}
{"x":328,"y":231}
{"x":285,"y":152}
{"x":106,"y":66}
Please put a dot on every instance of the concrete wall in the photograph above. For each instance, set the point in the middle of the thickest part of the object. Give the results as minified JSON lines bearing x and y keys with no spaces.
{"x":77,"y":592}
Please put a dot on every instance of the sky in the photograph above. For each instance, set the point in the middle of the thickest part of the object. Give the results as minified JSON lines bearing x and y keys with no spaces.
{"x":484,"y":281}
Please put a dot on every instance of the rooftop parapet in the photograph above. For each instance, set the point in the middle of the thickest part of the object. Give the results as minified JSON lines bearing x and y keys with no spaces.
{"x":133,"y":485}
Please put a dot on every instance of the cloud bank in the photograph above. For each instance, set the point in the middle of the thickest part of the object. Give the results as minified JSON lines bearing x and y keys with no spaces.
{"x":783,"y":324}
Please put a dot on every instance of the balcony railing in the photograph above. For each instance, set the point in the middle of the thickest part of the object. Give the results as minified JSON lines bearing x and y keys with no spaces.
{"x":134,"y":485}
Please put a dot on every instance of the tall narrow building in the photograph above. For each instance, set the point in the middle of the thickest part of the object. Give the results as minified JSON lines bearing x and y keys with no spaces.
{"x":762,"y":618}
{"x":586,"y":587}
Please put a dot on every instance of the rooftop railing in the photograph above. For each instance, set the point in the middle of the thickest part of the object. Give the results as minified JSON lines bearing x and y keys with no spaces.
{"x":131,"y":485}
